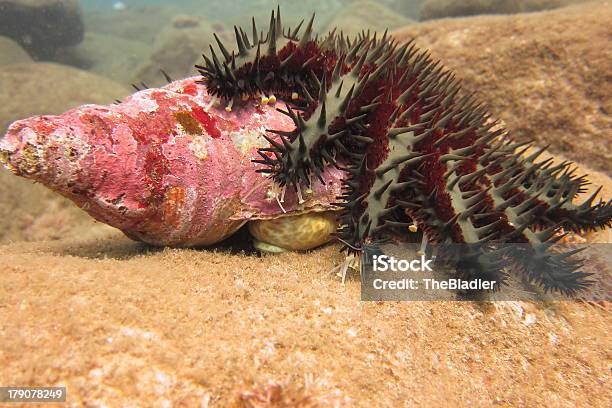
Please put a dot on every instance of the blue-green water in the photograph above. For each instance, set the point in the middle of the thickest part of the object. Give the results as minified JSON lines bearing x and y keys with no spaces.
{"x":217,"y":10}
{"x":108,"y":4}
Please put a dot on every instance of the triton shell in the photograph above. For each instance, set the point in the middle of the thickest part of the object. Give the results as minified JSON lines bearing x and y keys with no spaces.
{"x":167,"y":166}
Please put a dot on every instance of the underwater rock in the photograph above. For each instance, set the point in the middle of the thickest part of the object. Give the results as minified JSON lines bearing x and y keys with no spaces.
{"x":185,"y":21}
{"x":166,"y":166}
{"x":31,"y":212}
{"x":544,"y":75}
{"x":176,"y":50}
{"x":42,"y":26}
{"x":451,"y":8}
{"x":61,"y":88}
{"x":364,"y":14}
{"x":12,"y":53}
{"x":133,"y":23}
{"x":409,"y":8}
{"x":93,"y":55}
{"x":242,"y":12}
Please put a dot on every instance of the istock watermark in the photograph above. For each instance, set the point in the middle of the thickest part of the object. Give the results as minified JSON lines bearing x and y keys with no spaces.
{"x":386,"y":263}
{"x":383,"y":263}
{"x":467,"y":272}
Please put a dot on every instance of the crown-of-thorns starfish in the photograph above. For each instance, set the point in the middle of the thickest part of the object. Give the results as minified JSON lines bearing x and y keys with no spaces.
{"x":418,"y":151}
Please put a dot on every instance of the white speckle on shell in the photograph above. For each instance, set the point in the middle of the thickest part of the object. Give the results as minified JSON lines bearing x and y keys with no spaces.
{"x":245,"y":141}
{"x":198,"y":147}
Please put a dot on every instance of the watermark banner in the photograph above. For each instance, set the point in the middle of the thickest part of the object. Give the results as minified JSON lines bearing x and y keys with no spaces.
{"x":403,"y":272}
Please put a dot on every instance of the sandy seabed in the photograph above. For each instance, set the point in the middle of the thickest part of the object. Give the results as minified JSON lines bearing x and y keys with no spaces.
{"x":123,"y":324}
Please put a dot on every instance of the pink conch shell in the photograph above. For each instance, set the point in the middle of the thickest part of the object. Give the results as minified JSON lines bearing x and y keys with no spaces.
{"x":166,"y":166}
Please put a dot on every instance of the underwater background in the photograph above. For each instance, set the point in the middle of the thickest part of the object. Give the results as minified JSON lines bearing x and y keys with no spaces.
{"x":128,"y":324}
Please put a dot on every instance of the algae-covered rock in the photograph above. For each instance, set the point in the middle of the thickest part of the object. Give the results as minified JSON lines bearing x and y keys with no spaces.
{"x":453,"y":8}
{"x":31,"y":212}
{"x":12,"y":53}
{"x":408,"y":8}
{"x":177,"y":48}
{"x":546,"y":74}
{"x":48,"y":88}
{"x":112,"y":57}
{"x":367,"y":15}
